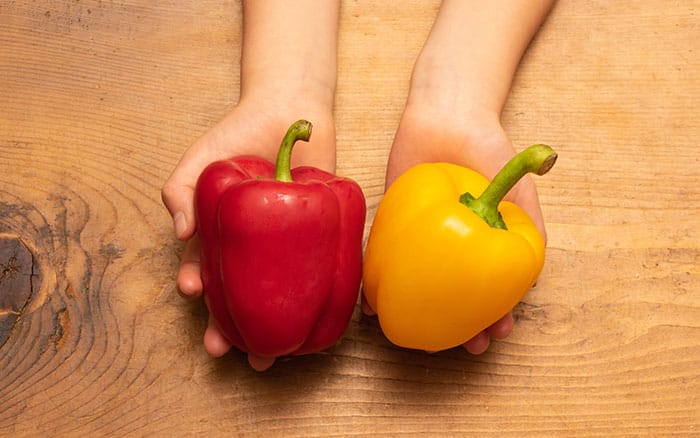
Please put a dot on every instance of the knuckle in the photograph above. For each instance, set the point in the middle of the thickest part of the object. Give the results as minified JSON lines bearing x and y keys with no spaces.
{"x":167,"y":193}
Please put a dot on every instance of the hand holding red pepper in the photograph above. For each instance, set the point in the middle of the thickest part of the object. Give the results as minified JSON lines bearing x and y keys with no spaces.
{"x":247,"y":130}
{"x":281,"y":254}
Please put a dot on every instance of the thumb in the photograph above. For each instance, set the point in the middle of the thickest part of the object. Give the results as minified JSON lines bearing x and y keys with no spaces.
{"x":179,"y":200}
{"x":178,"y":191}
{"x":525,"y":195}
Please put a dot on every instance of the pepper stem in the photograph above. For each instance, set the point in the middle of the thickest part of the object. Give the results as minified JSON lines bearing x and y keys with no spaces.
{"x":535,"y":159}
{"x":300,"y":130}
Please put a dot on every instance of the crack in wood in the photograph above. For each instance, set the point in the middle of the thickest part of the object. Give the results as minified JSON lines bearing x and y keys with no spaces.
{"x":17,"y":271}
{"x":61,"y":327}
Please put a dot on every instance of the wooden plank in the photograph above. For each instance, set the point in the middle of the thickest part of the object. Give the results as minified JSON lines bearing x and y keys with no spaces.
{"x":100,"y":99}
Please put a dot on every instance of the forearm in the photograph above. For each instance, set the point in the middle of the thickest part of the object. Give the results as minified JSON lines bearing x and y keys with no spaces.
{"x":290,"y":49}
{"x":473,"y":51}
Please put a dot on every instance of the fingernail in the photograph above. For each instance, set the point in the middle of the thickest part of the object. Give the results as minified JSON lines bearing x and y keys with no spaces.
{"x":180,"y":224}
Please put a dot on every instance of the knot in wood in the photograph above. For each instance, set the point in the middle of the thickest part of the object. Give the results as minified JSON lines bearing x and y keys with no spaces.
{"x":17,"y":275}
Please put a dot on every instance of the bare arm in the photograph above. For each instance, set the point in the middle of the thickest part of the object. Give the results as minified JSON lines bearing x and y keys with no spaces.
{"x":473,"y":51}
{"x":289,"y":48}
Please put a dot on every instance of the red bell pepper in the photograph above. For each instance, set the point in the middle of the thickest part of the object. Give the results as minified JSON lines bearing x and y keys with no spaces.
{"x":281,"y":251}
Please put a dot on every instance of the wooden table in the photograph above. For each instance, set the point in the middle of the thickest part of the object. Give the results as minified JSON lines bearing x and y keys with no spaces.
{"x":98,"y":100}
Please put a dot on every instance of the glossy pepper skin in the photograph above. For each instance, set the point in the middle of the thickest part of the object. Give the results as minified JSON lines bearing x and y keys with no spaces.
{"x":281,"y":251}
{"x":436,"y":271}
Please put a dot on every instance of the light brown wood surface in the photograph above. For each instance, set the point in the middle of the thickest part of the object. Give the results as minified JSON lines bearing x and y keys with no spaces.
{"x":98,"y":100}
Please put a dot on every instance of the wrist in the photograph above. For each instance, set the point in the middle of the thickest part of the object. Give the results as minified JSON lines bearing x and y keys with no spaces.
{"x":282,"y":91}
{"x":473,"y":50}
{"x":289,"y":52}
{"x":443,"y":83}
{"x":448,"y":104}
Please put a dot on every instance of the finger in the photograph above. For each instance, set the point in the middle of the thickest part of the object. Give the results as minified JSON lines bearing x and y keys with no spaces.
{"x":216,"y":345}
{"x":189,"y":282}
{"x":478,"y":344}
{"x":502,"y":328}
{"x":366,"y":309}
{"x":259,"y":363}
{"x":214,"y":341}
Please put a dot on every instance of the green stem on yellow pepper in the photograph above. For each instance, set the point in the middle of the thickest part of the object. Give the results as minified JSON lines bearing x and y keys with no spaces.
{"x":535,"y":159}
{"x":300,"y":130}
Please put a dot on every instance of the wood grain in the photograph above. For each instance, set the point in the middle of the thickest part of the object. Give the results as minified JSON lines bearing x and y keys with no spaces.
{"x":100,"y":99}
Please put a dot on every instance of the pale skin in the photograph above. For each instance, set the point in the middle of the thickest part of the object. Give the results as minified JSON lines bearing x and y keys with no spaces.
{"x":459,"y":86}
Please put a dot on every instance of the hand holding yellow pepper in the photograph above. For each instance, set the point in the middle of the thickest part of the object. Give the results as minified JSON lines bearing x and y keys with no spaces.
{"x":442,"y":264}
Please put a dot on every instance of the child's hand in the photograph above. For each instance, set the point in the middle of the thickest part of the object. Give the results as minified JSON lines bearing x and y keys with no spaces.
{"x":479,"y":143}
{"x":247,"y":130}
{"x":426,"y":135}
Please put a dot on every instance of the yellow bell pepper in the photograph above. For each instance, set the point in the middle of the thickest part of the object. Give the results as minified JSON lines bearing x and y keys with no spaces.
{"x":441,"y":265}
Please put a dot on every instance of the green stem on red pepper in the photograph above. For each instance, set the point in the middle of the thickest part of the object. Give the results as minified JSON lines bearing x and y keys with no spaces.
{"x":535,"y":159}
{"x":300,"y":130}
